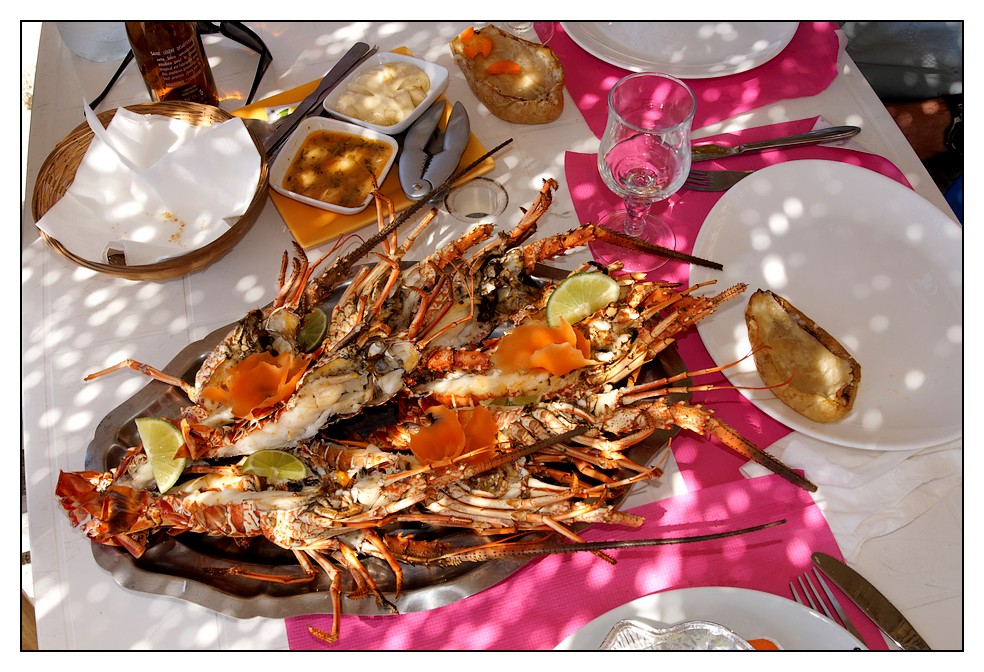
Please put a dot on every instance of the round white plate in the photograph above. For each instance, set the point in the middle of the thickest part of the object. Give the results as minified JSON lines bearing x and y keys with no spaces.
{"x":686,"y":49}
{"x":874,"y":264}
{"x":749,"y":613}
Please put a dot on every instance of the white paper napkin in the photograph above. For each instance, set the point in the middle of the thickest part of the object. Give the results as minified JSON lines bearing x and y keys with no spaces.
{"x":155,"y":188}
{"x":869,"y":493}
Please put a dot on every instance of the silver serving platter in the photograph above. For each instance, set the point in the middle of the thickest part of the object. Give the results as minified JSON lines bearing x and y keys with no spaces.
{"x":178,"y":566}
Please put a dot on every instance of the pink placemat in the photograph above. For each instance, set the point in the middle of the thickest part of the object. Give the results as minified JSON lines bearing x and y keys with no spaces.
{"x":686,"y":211}
{"x":551,"y":597}
{"x":805,"y":67}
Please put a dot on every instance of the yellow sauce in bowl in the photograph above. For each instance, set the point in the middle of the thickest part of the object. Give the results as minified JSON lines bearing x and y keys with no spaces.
{"x":337,"y":167}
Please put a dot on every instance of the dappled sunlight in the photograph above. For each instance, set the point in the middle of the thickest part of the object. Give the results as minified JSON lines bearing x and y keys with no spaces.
{"x":872,"y":419}
{"x":774,"y":272}
{"x":798,"y":551}
{"x":793,"y":208}
{"x":914,"y":379}
{"x":249,"y":286}
{"x":734,"y":551}
{"x":50,"y":419}
{"x":915,"y":233}
{"x":739,"y":501}
{"x":98,"y":592}
{"x":78,"y":421}
{"x":244,"y":633}
{"x":879,"y":323}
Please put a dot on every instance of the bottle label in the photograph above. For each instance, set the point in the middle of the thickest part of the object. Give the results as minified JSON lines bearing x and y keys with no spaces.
{"x":180,"y":65}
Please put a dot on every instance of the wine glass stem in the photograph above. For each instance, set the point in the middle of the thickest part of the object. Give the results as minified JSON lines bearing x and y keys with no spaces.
{"x":636,"y":210}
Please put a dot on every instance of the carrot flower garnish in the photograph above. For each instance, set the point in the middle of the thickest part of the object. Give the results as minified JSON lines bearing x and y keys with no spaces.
{"x":454,"y":432}
{"x":559,"y":349}
{"x":258,"y":382}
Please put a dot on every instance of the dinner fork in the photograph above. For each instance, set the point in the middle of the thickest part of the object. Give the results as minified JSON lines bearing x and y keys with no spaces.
{"x":819,"y":604}
{"x":714,"y":180}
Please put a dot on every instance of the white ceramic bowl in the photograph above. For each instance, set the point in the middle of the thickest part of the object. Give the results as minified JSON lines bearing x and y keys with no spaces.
{"x":293,"y":144}
{"x":437,"y":74}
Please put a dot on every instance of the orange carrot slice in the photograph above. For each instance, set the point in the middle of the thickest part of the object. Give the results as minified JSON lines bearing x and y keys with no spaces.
{"x":504,"y":68}
{"x":470,"y":49}
{"x":763,"y":644}
{"x":485,"y":47}
{"x":478,"y":44}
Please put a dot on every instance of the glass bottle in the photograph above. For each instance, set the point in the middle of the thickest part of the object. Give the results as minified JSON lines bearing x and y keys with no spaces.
{"x":172,"y":61}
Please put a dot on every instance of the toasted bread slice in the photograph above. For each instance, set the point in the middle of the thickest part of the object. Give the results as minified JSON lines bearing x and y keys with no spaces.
{"x":822,"y":376}
{"x":534,"y":96}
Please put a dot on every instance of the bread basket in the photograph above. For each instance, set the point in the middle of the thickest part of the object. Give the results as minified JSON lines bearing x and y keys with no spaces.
{"x":58,"y":171}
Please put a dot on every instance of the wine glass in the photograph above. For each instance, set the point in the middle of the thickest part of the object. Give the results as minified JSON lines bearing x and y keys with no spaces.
{"x":532,"y":30}
{"x":644,"y":157}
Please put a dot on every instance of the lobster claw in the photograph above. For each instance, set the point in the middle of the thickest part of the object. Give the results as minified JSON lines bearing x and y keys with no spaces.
{"x":430,"y":155}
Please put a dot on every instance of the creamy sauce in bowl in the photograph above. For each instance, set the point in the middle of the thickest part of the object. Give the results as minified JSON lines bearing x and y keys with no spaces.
{"x":385,"y":95}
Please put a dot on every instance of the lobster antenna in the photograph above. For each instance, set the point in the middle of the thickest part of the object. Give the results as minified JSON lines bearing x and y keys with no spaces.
{"x":521,"y":549}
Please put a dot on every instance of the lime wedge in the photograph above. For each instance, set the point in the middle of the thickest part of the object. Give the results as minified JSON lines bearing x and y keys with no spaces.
{"x":579,"y":296}
{"x":161,"y":440}
{"x":276,"y":465}
{"x":312,"y":330}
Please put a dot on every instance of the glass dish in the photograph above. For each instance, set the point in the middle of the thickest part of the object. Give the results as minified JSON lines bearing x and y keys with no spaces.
{"x":631,"y":635}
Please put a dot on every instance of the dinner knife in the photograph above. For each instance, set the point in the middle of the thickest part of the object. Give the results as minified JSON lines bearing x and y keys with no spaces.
{"x":884,"y":614}
{"x":714,"y":151}
{"x":359,"y":52}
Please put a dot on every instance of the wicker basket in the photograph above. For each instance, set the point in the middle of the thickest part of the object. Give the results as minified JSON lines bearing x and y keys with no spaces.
{"x":58,"y":172}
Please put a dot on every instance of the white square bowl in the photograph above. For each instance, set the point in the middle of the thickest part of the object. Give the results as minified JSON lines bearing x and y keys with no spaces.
{"x":437,"y":74}
{"x":293,"y":144}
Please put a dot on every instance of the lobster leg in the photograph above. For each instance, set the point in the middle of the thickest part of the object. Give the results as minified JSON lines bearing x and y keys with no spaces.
{"x":308,"y":572}
{"x":365,"y":582}
{"x":147,"y":370}
{"x":702,"y":422}
{"x":385,"y":553}
{"x":741,"y":445}
{"x":336,"y":600}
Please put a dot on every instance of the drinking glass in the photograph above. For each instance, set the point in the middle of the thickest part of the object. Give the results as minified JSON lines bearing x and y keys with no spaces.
{"x":532,"y":30}
{"x":644,"y":158}
{"x":519,"y":27}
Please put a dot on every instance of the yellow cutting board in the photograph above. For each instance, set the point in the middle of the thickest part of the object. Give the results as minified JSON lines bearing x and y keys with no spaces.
{"x":312,"y":226}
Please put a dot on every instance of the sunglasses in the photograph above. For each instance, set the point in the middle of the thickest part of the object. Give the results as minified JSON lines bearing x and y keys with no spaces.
{"x":235,"y":31}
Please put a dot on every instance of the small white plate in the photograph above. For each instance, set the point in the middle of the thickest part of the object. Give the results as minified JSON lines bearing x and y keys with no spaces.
{"x":686,"y":49}
{"x":874,"y":264}
{"x":286,"y":156}
{"x":751,"y":614}
{"x":437,"y":74}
